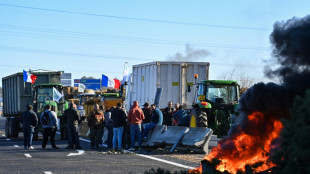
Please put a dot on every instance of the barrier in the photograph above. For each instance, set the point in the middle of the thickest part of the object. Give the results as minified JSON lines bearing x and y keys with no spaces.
{"x":154,"y":135}
{"x":197,"y":138}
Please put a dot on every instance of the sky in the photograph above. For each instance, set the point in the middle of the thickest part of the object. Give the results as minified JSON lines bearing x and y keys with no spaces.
{"x":90,"y":38}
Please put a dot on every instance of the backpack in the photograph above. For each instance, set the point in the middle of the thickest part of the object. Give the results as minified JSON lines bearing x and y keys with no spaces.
{"x":97,"y":120}
{"x":45,"y":120}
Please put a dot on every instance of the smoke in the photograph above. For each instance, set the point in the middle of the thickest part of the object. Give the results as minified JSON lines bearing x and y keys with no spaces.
{"x":291,"y":52}
{"x":190,"y":55}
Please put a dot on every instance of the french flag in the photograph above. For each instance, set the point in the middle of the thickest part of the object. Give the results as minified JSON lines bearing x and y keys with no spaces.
{"x":29,"y":77}
{"x":109,"y":82}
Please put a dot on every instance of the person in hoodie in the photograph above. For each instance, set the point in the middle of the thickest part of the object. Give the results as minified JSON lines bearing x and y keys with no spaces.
{"x":135,"y":117}
{"x":156,"y":120}
{"x":50,"y":128}
{"x":181,"y":117}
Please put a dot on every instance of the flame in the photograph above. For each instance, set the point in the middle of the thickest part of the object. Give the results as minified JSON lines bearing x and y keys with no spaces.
{"x":247,"y":147}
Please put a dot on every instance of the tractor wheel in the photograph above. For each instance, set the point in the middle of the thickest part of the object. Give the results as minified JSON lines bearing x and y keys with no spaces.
{"x":201,"y":117}
{"x":7,"y":127}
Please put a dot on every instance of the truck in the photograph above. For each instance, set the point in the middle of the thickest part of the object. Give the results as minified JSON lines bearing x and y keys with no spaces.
{"x":174,"y":78}
{"x":215,"y":104}
{"x":17,"y":94}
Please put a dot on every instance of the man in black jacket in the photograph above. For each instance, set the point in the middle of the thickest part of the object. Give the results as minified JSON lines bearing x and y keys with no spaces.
{"x":119,"y":121}
{"x":72,"y":120}
{"x":29,"y":120}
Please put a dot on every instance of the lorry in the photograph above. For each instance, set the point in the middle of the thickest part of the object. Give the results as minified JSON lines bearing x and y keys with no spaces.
{"x":17,"y":94}
{"x":216,"y":102}
{"x":174,"y":78}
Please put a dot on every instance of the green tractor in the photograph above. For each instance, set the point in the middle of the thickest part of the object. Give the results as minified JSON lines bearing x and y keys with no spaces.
{"x":215,"y":104}
{"x":44,"y":94}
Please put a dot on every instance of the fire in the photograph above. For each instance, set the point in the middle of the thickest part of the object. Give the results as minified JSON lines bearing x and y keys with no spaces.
{"x":250,"y":146}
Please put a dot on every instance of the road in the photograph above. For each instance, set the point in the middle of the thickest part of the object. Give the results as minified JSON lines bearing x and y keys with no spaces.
{"x":14,"y":159}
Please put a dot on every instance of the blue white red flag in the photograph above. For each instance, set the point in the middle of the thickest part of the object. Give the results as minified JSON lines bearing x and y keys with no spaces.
{"x":29,"y":77}
{"x":109,"y":82}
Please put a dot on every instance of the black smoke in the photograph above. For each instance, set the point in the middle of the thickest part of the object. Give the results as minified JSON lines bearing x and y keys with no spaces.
{"x":291,"y":53}
{"x":190,"y":55}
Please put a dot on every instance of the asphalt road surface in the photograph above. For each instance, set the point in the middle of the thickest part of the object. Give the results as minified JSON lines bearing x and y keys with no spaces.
{"x":14,"y":159}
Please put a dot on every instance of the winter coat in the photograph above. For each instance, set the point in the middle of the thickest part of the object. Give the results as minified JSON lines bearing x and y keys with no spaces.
{"x":53,"y":119}
{"x":107,"y":119}
{"x":95,"y":119}
{"x":119,"y":117}
{"x":71,"y":117}
{"x":135,"y":115}
{"x":29,"y":119}
{"x":147,"y":115}
{"x":157,"y":117}
{"x":168,"y":116}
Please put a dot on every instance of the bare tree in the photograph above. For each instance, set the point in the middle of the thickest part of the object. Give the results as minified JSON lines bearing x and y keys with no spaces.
{"x":244,"y":81}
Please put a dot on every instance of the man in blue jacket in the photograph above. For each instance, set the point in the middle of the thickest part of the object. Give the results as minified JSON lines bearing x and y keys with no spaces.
{"x":156,"y":120}
{"x":50,"y":128}
{"x":29,"y":121}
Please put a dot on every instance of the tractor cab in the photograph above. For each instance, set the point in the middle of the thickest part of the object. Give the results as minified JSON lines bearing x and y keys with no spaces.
{"x":218,"y":100}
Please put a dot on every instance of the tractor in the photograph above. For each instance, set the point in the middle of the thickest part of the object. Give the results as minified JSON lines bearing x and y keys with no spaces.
{"x":215,"y":104}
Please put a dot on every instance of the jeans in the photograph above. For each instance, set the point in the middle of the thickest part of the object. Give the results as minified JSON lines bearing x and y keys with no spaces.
{"x":148,"y":127}
{"x":95,"y":137}
{"x":134,"y":130}
{"x":73,"y":135}
{"x":118,"y":134}
{"x":110,"y":136}
{"x":28,"y":135}
{"x":49,"y":132}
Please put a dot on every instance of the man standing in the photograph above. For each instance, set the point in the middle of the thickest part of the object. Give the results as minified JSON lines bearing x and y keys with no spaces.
{"x":50,"y":127}
{"x":135,"y":117}
{"x":156,"y":120}
{"x":29,"y":120}
{"x":72,"y":119}
{"x":119,"y":121}
{"x":95,"y":121}
{"x":168,"y":114}
{"x":147,"y":113}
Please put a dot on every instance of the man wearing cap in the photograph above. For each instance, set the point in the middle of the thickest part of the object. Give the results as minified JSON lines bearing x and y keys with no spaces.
{"x":147,"y":112}
{"x":135,"y":117}
{"x":156,"y":120}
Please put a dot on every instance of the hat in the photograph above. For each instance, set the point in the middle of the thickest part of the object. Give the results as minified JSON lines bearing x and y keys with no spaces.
{"x":146,"y":104}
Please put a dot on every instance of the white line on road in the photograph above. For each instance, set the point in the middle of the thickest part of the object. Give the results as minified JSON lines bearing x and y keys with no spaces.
{"x":15,"y":145}
{"x":80,"y":152}
{"x":28,"y":155}
{"x":153,"y":158}
{"x":8,"y":139}
{"x":3,"y":135}
{"x":48,"y":172}
{"x":166,"y":161}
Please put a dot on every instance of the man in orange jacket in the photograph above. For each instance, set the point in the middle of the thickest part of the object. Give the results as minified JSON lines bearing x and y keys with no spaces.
{"x":135,"y":117}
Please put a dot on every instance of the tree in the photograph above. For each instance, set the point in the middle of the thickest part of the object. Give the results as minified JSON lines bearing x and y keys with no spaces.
{"x":244,"y":81}
{"x":294,"y":154}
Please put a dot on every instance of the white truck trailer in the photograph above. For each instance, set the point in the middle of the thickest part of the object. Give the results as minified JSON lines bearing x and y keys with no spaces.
{"x":175,"y":78}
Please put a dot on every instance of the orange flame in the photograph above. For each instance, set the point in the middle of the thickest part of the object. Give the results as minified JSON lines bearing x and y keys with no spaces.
{"x":248,"y":147}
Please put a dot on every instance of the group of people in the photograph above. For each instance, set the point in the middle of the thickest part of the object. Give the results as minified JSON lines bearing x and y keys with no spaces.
{"x":49,"y":122}
{"x":136,"y":123}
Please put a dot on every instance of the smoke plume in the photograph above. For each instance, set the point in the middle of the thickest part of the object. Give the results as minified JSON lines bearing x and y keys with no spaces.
{"x":190,"y":55}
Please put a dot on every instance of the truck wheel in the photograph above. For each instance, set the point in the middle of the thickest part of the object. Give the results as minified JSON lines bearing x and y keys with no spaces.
{"x":201,"y":116}
{"x":7,"y":127}
{"x":15,"y":127}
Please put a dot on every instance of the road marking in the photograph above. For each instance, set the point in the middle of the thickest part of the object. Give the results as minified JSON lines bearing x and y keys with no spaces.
{"x":15,"y":145}
{"x":166,"y":161}
{"x":28,"y":155}
{"x":153,"y":158}
{"x":3,"y":135}
{"x":8,"y":139}
{"x":80,"y":152}
{"x":48,"y":172}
